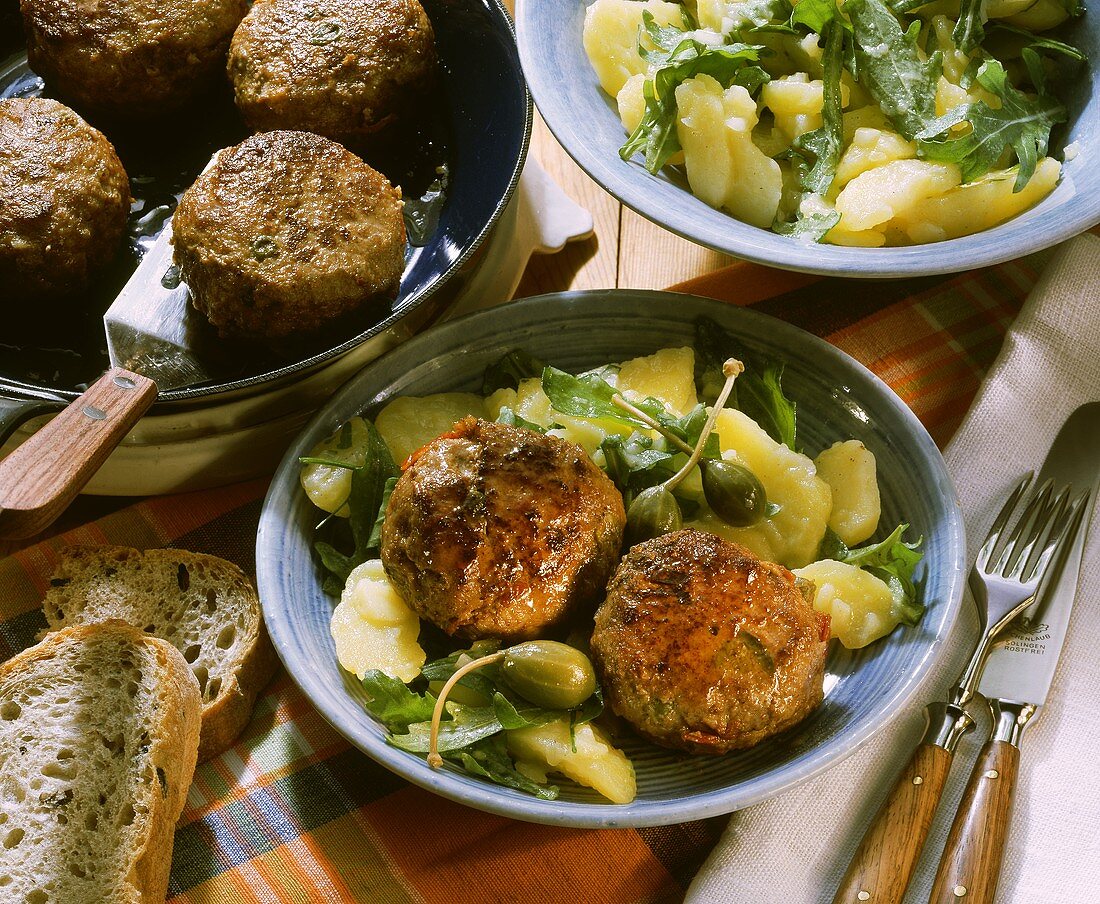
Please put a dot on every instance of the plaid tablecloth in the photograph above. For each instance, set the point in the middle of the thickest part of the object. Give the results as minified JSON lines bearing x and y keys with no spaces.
{"x":294,"y":814}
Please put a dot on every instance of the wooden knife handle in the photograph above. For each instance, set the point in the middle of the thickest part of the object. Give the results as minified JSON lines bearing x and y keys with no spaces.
{"x":883,"y":865}
{"x":971,"y":862}
{"x":45,"y":473}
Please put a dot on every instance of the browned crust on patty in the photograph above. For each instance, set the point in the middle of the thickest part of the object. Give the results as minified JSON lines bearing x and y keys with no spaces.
{"x":286,"y":232}
{"x":64,"y":199}
{"x":341,"y":68}
{"x":129,"y":57}
{"x":703,"y":647}
{"x":496,"y":531}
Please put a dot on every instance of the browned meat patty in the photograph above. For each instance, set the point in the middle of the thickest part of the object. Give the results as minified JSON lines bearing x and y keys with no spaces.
{"x":129,"y":57}
{"x":341,"y":68}
{"x":286,"y":232}
{"x":495,"y":531}
{"x":64,"y":199}
{"x":703,"y":647}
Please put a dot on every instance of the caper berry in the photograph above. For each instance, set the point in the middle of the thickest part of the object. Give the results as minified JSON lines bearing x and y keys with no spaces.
{"x":549,"y":674}
{"x":653,"y":512}
{"x":734,"y":493}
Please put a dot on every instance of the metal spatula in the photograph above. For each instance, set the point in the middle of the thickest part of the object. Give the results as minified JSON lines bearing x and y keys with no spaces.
{"x":150,"y":340}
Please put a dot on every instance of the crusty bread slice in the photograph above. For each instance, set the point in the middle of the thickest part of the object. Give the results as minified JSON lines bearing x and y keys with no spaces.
{"x":202,"y":605}
{"x":99,"y":727}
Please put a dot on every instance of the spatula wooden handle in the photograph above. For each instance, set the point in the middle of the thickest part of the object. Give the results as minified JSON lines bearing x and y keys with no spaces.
{"x":883,"y":865}
{"x":972,"y":857}
{"x":42,"y":476}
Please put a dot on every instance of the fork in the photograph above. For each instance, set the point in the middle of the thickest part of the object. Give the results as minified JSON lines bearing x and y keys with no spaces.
{"x":1004,"y":581}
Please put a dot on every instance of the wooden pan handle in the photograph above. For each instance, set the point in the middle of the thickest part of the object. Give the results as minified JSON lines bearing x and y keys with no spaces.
{"x":971,"y":862}
{"x":42,"y":476}
{"x":883,"y":865}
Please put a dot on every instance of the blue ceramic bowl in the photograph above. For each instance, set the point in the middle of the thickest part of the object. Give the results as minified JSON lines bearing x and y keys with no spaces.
{"x":837,"y":399}
{"x":585,"y":121}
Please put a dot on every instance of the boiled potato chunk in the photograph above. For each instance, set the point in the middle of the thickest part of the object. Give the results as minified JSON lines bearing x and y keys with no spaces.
{"x":870,"y":148}
{"x":329,"y":486}
{"x":409,"y":422}
{"x":849,"y":470}
{"x":610,"y":37}
{"x":724,"y":168}
{"x":667,"y":375}
{"x":860,"y":606}
{"x":1041,"y":15}
{"x":887,"y":191}
{"x":373,"y":628}
{"x":791,"y":536}
{"x":733,"y":15}
{"x":975,"y":206}
{"x":596,"y":763}
{"x":1001,"y":9}
{"x":796,"y":102}
{"x":631,"y":102}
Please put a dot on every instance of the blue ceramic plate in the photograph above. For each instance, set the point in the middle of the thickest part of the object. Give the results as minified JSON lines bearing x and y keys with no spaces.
{"x":586,"y":122}
{"x":837,"y":399}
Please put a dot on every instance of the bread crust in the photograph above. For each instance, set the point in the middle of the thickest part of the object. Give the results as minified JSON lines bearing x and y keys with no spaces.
{"x":173,"y":742}
{"x":230,"y":710}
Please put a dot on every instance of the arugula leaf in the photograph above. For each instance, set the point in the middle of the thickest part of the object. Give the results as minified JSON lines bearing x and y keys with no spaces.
{"x":375,"y":539}
{"x":678,"y":58}
{"x":338,"y":566}
{"x":1032,"y":49}
{"x":633,"y":464}
{"x":510,"y":370}
{"x":509,"y":417}
{"x":969,"y":30}
{"x":1022,"y":123}
{"x":481,"y":681}
{"x":826,"y":143}
{"x":902,"y":84}
{"x":467,"y":725}
{"x":814,"y":227}
{"x":758,"y":392}
{"x":518,"y":713}
{"x":489,"y":758}
{"x":814,"y":14}
{"x":586,"y":396}
{"x":393,"y":704}
{"x":893,"y":561}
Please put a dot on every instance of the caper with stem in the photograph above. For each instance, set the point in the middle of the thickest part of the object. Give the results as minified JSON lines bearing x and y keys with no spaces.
{"x":655,"y":511}
{"x":548,"y":673}
{"x":733,"y":492}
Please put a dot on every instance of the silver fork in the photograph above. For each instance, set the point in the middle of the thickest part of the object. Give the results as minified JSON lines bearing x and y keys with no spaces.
{"x":1004,"y":582}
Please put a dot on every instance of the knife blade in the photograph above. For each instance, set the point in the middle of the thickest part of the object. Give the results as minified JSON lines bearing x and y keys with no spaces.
{"x":1021,"y":666}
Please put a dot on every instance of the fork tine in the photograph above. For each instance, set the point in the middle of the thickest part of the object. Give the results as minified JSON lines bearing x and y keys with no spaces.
{"x":1030,"y":521}
{"x":1066,"y":525}
{"x":1048,"y":525}
{"x":986,"y":552}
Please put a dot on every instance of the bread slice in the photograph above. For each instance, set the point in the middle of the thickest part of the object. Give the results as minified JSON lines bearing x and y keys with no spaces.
{"x":202,"y":605}
{"x":99,"y":727}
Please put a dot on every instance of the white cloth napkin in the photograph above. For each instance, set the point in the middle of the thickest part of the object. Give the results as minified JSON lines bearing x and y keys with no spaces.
{"x":794,"y":849}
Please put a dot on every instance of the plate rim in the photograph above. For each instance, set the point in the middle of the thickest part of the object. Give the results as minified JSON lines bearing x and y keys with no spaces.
{"x":482,"y":795}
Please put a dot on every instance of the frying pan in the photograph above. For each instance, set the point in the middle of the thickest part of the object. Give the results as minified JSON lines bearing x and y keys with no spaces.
{"x":480,"y":131}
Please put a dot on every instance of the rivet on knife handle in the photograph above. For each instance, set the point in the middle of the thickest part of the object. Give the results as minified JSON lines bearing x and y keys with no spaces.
{"x":45,"y":473}
{"x":884,"y":862}
{"x":971,"y":862}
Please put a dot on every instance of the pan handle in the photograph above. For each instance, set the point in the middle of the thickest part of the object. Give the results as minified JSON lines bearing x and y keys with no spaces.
{"x":14,"y":413}
{"x":42,"y":476}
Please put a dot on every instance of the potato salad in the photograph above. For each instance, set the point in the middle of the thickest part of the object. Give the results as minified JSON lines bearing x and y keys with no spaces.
{"x":668,"y":423}
{"x":854,"y":122}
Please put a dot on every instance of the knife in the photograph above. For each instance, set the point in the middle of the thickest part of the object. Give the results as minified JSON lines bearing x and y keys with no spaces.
{"x":1016,"y":683}
{"x":151,"y":337}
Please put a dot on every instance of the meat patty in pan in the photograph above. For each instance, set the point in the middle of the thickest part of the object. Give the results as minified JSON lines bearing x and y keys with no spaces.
{"x":341,"y":68}
{"x":64,"y":200}
{"x":703,"y":647}
{"x":497,"y":531}
{"x":129,"y":58}
{"x":286,"y":232}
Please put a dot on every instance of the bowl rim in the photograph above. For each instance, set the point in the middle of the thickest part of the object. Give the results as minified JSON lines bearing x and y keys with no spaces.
{"x":761,"y":246}
{"x":483,"y":795}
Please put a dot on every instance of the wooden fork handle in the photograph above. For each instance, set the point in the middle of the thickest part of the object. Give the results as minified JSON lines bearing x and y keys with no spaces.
{"x":972,"y":857}
{"x":45,"y":473}
{"x":884,"y":862}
